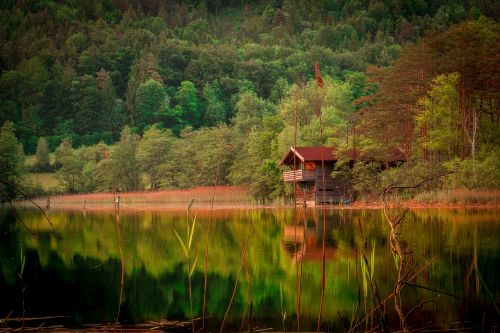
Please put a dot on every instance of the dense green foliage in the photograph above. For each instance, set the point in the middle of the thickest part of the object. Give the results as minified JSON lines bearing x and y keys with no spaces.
{"x":207,"y":91}
{"x":11,"y":162}
{"x":42,"y":156}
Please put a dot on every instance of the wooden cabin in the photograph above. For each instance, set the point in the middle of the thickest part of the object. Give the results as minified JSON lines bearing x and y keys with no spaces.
{"x":304,"y":166}
{"x":303,"y":169}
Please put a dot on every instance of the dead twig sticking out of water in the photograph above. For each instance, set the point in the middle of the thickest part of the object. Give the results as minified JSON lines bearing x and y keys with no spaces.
{"x":283,"y":311}
{"x":24,"y":328}
{"x":26,"y":196}
{"x":206,"y":247}
{"x":243,"y":256}
{"x":401,"y":259}
{"x":302,"y":253}
{"x":391,"y":295}
{"x":368,"y":272}
{"x":298,"y":267}
{"x":298,"y":278}
{"x":19,"y":218}
{"x":319,"y":81}
{"x":247,"y":276}
{"x":418,"y":306}
{"x":122,"y":268}
{"x":488,"y":292}
{"x":23,"y":288}
{"x":404,"y":266}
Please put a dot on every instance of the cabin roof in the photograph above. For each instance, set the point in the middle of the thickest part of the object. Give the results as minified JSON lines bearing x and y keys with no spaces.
{"x":308,"y":154}
{"x":313,"y":154}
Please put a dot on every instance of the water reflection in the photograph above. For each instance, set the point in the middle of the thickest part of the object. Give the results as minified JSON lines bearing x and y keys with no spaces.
{"x":74,"y":268}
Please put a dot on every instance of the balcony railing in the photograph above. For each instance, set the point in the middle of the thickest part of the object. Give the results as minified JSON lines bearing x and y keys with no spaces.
{"x":298,"y":176}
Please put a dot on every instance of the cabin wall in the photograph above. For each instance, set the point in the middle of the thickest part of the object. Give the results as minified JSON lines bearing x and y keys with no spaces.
{"x":328,"y":178}
{"x":336,"y":190}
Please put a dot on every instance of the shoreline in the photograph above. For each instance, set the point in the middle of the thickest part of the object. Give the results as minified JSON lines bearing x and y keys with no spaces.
{"x":224,"y":206}
{"x":206,"y":198}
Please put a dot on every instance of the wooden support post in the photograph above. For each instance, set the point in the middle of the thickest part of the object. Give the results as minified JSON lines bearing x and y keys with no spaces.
{"x":117,"y":202}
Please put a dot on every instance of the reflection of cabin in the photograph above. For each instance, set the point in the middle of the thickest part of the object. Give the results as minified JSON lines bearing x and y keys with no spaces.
{"x":303,"y":240}
{"x":303,"y":244}
{"x":305,"y":172}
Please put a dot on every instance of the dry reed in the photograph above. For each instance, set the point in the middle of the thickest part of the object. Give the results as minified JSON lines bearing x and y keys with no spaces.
{"x":122,"y":273}
{"x":459,"y":197}
{"x":205,"y":283}
{"x":199,"y":194}
{"x":243,"y":260}
{"x":323,"y":263}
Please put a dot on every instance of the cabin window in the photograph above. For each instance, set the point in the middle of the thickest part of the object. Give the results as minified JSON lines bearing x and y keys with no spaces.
{"x":309,"y":166}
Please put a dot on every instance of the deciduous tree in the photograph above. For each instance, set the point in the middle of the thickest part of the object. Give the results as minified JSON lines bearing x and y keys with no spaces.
{"x":156,"y":156}
{"x":11,"y":161}
{"x":42,"y":155}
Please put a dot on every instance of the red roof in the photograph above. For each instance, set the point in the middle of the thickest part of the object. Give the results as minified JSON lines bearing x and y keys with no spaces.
{"x":313,"y":154}
{"x":308,"y":154}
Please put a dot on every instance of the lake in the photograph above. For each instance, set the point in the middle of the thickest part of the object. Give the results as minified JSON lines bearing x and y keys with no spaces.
{"x":74,"y":267}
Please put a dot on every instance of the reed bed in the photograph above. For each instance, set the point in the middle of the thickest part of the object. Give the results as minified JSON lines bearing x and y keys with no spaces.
{"x":459,"y":197}
{"x":203,"y":194}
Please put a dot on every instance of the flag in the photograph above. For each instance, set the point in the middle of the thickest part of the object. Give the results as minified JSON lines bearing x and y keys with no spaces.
{"x":319,"y":79}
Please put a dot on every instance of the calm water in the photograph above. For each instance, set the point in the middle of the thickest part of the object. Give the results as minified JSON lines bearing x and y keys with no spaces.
{"x":74,"y":267}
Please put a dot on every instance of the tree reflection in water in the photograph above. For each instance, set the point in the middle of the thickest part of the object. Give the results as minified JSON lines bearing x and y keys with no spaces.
{"x":74,"y":268}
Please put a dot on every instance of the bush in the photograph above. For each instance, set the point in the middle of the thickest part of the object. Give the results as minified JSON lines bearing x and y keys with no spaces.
{"x":364,"y":177}
{"x":412,"y":173}
{"x":482,"y":172}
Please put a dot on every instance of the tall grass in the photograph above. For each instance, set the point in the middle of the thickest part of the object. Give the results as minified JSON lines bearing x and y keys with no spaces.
{"x":205,"y":273}
{"x":459,"y":197}
{"x":186,"y":245}
{"x":247,"y":276}
{"x":23,"y":289}
{"x":242,"y":264}
{"x":229,"y":195}
{"x":46,"y":180}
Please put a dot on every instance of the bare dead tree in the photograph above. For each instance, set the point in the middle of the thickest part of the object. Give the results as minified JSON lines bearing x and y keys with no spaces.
{"x":401,"y":256}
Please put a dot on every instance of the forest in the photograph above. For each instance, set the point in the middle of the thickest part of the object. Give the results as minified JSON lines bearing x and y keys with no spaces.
{"x":121,"y":95}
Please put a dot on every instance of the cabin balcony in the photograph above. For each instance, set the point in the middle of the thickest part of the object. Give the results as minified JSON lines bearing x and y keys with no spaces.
{"x":298,"y":176}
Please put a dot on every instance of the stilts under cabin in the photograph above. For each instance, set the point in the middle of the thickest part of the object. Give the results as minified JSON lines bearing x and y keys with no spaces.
{"x":305,"y":172}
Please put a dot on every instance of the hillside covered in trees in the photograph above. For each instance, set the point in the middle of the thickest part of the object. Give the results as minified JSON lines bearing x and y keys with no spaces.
{"x":149,"y":94}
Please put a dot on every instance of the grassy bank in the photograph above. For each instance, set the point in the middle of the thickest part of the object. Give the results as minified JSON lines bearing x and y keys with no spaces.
{"x":46,"y":181}
{"x":223,"y":195}
{"x":459,"y":197}
{"x":238,"y":197}
{"x":436,"y":199}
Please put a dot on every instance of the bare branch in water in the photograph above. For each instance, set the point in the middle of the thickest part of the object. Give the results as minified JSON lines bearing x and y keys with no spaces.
{"x":388,"y":189}
{"x":122,"y":274}
{"x":27,"y":197}
{"x":419,"y":306}
{"x":401,"y":256}
{"x":19,"y":217}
